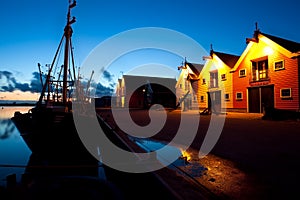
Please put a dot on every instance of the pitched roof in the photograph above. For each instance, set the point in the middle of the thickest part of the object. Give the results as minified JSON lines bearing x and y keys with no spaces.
{"x":228,"y":59}
{"x":287,"y":44}
{"x":196,"y":68}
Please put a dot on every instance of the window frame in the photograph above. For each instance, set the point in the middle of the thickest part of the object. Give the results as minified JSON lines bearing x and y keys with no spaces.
{"x":242,"y":75}
{"x":214,"y":79}
{"x":283,"y":96}
{"x":223,"y":78}
{"x":278,"y":61}
{"x":236,"y":96}
{"x":226,"y":96}
{"x":260,"y":69}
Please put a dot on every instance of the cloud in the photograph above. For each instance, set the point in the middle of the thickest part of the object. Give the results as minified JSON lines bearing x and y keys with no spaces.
{"x":8,"y":83}
{"x":102,"y":90}
{"x":108,"y":76}
{"x":35,"y":83}
{"x":99,"y":90}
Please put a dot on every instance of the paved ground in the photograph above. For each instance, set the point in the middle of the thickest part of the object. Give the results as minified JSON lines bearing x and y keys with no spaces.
{"x":266,"y":152}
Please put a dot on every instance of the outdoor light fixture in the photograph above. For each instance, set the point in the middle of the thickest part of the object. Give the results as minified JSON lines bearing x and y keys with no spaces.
{"x":268,"y":50}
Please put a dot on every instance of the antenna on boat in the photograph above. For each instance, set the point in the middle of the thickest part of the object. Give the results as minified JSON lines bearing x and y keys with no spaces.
{"x":68,"y":34}
{"x":68,"y":46}
{"x":40,"y":71}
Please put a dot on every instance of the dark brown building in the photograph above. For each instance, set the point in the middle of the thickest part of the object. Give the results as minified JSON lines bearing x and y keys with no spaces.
{"x":143,"y":91}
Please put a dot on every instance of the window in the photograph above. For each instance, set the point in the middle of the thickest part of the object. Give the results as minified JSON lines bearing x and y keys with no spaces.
{"x":239,"y":96}
{"x":278,"y":65}
{"x":223,"y":77}
{"x":214,"y":79}
{"x":201,"y":98}
{"x":242,"y":73}
{"x":203,"y":81}
{"x":286,"y":93}
{"x":226,"y":96}
{"x":186,"y":84}
{"x":260,"y":70}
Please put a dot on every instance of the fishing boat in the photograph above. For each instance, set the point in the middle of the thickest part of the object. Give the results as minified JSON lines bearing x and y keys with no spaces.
{"x":48,"y":128}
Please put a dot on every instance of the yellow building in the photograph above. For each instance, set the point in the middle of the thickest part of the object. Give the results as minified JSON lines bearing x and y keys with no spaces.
{"x":187,"y":86}
{"x":207,"y":86}
{"x":216,"y":88}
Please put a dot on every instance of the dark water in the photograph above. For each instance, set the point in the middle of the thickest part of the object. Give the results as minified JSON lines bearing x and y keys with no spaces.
{"x":14,"y":154}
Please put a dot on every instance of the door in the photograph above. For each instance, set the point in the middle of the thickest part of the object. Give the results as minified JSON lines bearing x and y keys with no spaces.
{"x":260,"y":97}
{"x":214,"y":101}
{"x":267,"y":97}
{"x":254,"y":100}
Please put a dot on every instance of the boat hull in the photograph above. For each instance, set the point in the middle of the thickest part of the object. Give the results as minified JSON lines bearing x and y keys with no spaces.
{"x":50,"y":133}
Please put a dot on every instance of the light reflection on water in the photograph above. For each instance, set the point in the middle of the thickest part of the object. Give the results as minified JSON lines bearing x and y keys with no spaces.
{"x":14,"y":153}
{"x":169,"y":151}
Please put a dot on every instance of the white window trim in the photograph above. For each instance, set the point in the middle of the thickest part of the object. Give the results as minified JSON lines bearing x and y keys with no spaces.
{"x":237,"y":94}
{"x":240,"y":73}
{"x":285,"y":97}
{"x":283,"y":65}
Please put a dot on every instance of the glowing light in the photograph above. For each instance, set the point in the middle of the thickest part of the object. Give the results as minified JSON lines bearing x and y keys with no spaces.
{"x":185,"y":155}
{"x":19,"y":95}
{"x":268,"y":50}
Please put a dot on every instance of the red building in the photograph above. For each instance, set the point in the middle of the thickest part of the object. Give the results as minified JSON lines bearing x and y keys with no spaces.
{"x":267,"y":74}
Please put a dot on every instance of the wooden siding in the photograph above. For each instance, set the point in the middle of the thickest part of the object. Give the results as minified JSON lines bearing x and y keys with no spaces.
{"x":203,"y":87}
{"x":225,"y":85}
{"x":285,"y":78}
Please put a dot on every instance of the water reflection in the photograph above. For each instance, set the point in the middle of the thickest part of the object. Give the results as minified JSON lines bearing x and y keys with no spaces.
{"x":14,"y":153}
{"x":24,"y":175}
{"x":7,"y":128}
{"x":164,"y":157}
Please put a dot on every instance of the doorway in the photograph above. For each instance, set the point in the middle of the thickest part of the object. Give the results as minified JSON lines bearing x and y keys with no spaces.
{"x":260,"y":97}
{"x":214,"y":101}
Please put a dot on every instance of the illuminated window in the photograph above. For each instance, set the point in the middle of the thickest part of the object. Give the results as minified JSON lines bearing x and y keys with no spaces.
{"x":286,"y":93}
{"x":242,"y":73}
{"x":278,"y":65}
{"x":226,"y":96}
{"x":223,"y":77}
{"x":260,"y":70}
{"x":239,"y":96}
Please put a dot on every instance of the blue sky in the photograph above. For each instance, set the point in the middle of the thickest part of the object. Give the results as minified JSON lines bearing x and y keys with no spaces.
{"x":31,"y":30}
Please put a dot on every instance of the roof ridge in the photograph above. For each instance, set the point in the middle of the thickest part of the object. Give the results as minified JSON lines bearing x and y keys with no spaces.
{"x":286,"y":43}
{"x":230,"y":54}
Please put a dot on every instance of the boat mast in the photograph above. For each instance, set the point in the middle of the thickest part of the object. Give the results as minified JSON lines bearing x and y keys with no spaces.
{"x":68,"y":34}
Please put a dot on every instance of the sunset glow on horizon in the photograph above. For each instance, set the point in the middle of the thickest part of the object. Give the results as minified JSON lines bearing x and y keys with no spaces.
{"x":29,"y":35}
{"x":19,"y":95}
